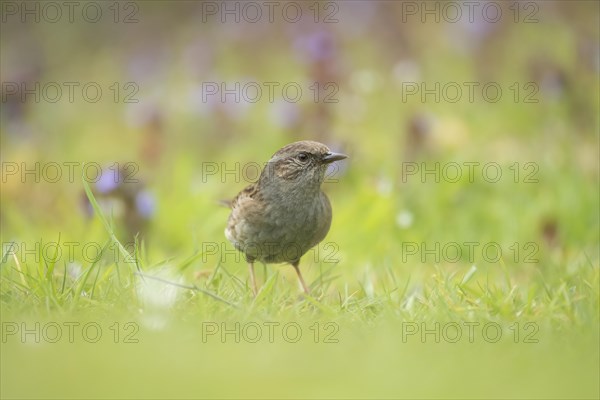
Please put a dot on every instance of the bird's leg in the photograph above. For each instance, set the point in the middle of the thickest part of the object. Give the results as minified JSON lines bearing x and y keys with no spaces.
{"x":252,"y":278}
{"x":300,"y":278}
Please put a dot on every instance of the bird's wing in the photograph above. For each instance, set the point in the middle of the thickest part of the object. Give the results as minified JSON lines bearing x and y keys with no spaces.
{"x":249,"y":192}
{"x":245,"y":215}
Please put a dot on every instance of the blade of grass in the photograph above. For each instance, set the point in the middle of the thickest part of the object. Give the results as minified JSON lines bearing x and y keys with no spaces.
{"x":190,"y":287}
{"x":124,"y":253}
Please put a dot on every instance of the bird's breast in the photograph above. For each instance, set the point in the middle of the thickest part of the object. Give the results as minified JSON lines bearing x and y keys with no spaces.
{"x":284,"y":230}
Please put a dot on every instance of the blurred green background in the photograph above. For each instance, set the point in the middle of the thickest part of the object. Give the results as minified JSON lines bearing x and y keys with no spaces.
{"x":178,"y":124}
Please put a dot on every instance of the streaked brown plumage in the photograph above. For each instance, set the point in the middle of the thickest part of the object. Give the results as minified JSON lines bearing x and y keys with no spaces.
{"x":285,"y":213}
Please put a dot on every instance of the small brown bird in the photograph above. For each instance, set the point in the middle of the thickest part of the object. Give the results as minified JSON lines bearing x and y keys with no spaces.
{"x":285,"y":213}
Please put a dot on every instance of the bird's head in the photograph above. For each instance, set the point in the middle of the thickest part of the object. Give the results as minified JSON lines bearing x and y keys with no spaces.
{"x":300,"y":164}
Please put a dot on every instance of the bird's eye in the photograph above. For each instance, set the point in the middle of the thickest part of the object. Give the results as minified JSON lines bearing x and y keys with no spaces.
{"x":303,"y":157}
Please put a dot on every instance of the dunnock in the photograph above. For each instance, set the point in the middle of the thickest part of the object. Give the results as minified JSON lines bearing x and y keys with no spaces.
{"x":285,"y":213}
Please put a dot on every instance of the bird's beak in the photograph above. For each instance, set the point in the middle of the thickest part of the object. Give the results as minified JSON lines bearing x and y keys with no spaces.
{"x":331,"y":157}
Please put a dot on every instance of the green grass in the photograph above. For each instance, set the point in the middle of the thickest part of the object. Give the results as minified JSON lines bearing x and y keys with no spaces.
{"x":534,"y":330}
